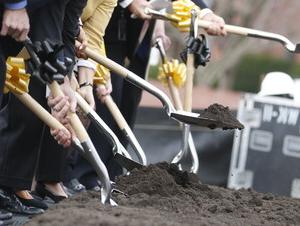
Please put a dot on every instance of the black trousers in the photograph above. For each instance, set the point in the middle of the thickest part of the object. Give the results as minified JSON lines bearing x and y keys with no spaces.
{"x":20,"y":130}
{"x":126,"y":96}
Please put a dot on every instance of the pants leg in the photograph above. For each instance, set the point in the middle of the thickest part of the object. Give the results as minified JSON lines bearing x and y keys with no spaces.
{"x":20,"y":130}
{"x":2,"y":72}
{"x":52,"y":161}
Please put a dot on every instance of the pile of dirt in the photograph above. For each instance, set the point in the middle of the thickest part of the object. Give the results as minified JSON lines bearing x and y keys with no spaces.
{"x":161,"y":195}
{"x":223,"y":117}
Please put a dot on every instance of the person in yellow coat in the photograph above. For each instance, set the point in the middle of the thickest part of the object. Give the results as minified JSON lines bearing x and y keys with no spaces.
{"x":94,"y":19}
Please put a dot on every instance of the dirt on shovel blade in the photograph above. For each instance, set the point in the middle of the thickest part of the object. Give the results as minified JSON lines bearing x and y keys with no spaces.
{"x":161,"y":195}
{"x":223,"y":117}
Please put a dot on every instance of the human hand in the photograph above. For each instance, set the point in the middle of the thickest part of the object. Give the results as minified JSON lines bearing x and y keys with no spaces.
{"x":104,"y":90}
{"x":137,"y":7}
{"x":59,"y":109}
{"x":159,"y":33}
{"x":15,"y":23}
{"x":217,"y":26}
{"x":81,"y":46}
{"x":62,"y":136}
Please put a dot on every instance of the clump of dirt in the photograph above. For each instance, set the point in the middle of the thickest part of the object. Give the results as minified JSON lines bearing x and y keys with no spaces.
{"x":223,"y":117}
{"x":162,"y":195}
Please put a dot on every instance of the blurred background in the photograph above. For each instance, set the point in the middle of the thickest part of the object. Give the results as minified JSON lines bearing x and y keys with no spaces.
{"x":239,"y":63}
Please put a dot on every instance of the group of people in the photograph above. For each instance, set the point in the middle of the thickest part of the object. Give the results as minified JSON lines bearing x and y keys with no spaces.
{"x":29,"y":151}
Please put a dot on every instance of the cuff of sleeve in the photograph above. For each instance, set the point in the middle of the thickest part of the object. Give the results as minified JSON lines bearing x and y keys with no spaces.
{"x":48,"y":92}
{"x":86,"y":63}
{"x":15,"y":6}
{"x":204,"y":12}
{"x":125,"y":3}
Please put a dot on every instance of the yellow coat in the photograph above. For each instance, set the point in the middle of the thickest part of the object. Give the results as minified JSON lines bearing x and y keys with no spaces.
{"x":95,"y":18}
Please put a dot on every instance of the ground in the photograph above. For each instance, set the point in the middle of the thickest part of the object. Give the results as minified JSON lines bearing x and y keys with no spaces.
{"x":161,"y":195}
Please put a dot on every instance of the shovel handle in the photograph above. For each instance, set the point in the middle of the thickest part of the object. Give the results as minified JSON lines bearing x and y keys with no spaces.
{"x":74,"y":120}
{"x":106,"y":62}
{"x":175,"y":94}
{"x":39,"y":111}
{"x":115,"y":111}
{"x":247,"y":31}
{"x":188,"y":89}
{"x":229,"y":28}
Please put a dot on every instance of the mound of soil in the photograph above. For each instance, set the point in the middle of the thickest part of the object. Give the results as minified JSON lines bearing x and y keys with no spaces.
{"x":161,"y":195}
{"x":223,"y":117}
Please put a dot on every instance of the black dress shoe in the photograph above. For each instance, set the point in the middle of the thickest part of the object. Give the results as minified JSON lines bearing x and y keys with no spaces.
{"x":42,"y":191}
{"x":73,"y":187}
{"x":9,"y":202}
{"x":95,"y":188}
{"x":5,"y":216}
{"x":33,"y":203}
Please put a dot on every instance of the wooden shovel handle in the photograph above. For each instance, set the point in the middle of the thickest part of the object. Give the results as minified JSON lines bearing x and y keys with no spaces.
{"x":175,"y":94}
{"x":116,"y":113}
{"x":39,"y":111}
{"x":232,"y":29}
{"x":74,"y":120}
{"x":188,"y":91}
{"x":108,"y":63}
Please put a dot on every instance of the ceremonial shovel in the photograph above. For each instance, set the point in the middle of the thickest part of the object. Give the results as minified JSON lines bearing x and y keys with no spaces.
{"x":243,"y":31}
{"x":99,"y":81}
{"x":120,"y":153}
{"x":185,"y":144}
{"x":181,"y":116}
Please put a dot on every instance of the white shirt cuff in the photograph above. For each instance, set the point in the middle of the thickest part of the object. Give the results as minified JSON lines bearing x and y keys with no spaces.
{"x":204,"y":12}
{"x":86,"y":63}
{"x":125,"y":3}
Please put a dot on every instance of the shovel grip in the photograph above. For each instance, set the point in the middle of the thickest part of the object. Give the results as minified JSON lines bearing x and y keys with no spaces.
{"x":188,"y":89}
{"x":74,"y":120}
{"x":230,"y":28}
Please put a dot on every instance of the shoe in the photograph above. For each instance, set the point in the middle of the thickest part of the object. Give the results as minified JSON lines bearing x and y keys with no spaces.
{"x":33,"y":202}
{"x":5,"y":215}
{"x":10,"y":202}
{"x":95,"y":188}
{"x":42,"y":191}
{"x":74,"y":186}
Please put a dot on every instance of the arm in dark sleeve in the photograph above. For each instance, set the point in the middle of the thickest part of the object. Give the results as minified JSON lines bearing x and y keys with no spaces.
{"x":200,"y":3}
{"x":15,"y":4}
{"x":71,"y":27}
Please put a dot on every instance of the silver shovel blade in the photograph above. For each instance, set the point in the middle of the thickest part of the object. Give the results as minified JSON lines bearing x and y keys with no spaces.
{"x":297,"y":48}
{"x":196,"y":119}
{"x":126,"y":162}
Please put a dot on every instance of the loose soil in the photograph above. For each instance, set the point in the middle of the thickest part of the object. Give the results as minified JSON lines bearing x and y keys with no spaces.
{"x":223,"y":117}
{"x":161,"y":195}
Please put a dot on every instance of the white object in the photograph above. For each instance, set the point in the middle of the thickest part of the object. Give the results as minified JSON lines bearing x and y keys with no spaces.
{"x":277,"y":83}
{"x":154,"y":58}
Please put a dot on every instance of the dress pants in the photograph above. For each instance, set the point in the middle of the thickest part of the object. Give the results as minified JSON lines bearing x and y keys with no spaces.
{"x":20,"y":130}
